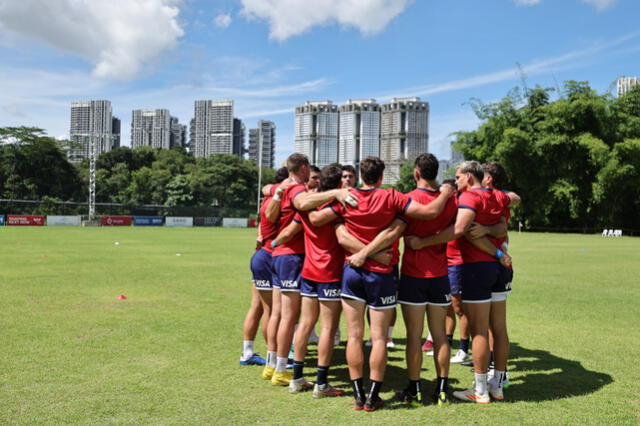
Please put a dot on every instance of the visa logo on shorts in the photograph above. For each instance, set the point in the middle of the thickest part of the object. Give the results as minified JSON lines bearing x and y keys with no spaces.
{"x":289,"y":283}
{"x":331,"y":292}
{"x":388,"y":300}
{"x":447,"y":297}
{"x":262,"y":283}
{"x":507,"y":286}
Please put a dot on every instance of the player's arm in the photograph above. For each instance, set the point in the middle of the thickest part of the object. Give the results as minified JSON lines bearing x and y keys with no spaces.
{"x":485,"y":245}
{"x":418,"y":243}
{"x":310,"y":200}
{"x":497,"y":230}
{"x":287,"y":234}
{"x":382,"y":241}
{"x":272,"y":211}
{"x":259,"y":240}
{"x":432,"y":210}
{"x":322,"y":217}
{"x":514,"y":198}
{"x":353,"y":245}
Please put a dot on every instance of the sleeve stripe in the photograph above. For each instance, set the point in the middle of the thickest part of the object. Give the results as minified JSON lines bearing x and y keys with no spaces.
{"x":334,"y":210}
{"x":406,"y":206}
{"x":297,"y":220}
{"x":298,"y":193}
{"x":402,"y":218}
{"x":464,"y":206}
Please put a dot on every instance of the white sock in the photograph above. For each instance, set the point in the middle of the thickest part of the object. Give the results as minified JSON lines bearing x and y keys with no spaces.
{"x":390,"y":332}
{"x":498,"y":378}
{"x":247,"y":349}
{"x":271,"y":358}
{"x":429,"y":338}
{"x":281,"y":365}
{"x":481,"y":383}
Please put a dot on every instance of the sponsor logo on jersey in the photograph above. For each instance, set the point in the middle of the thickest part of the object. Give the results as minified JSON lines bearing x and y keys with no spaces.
{"x":388,"y":300}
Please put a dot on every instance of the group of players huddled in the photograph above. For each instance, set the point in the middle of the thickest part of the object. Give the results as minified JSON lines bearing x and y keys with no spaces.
{"x":327,"y":246}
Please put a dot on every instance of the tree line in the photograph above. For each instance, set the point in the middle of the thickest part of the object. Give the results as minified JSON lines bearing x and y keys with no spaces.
{"x":34,"y":166}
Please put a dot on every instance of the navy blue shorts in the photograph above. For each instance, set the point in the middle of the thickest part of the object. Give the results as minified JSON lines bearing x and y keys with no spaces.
{"x":478,"y":279}
{"x":455,"y":279}
{"x":287,"y":269}
{"x":503,"y":285}
{"x":378,"y":291}
{"x":424,"y":291}
{"x":321,"y":291}
{"x":261,"y":269}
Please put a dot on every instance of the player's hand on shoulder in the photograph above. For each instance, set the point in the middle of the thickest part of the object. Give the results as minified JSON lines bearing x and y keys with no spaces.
{"x":447,"y":188}
{"x":345,"y":197}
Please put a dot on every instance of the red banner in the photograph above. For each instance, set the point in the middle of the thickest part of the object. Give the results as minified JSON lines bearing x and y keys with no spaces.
{"x":16,"y":220}
{"x":116,"y":220}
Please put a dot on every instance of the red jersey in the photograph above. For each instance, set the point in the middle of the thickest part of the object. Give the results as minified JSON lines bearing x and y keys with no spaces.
{"x":488,"y":211}
{"x":453,"y":247}
{"x":268,"y":230}
{"x":324,"y":256}
{"x":429,"y":262}
{"x":504,"y":200}
{"x":287,"y":213}
{"x":377,"y":208}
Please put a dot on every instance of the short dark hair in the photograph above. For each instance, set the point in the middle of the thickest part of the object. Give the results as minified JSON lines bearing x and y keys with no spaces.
{"x":427,"y":165}
{"x":314,"y":168}
{"x":497,"y":172}
{"x":348,"y":168}
{"x":371,"y":169}
{"x":451,"y":182}
{"x":282,"y":174}
{"x":330,"y":177}
{"x":474,"y":168}
{"x":295,"y":161}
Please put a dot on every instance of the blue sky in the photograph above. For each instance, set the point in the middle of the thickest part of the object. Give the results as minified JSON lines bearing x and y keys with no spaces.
{"x":271,"y":55}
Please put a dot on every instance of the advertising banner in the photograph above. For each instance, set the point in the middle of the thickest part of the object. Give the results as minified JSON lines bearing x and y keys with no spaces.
{"x":179,"y":221}
{"x":148,"y":220}
{"x":207,"y":221}
{"x":234,"y":222}
{"x":116,"y":220}
{"x":64,"y":220}
{"x":1,"y":220}
{"x":17,"y":220}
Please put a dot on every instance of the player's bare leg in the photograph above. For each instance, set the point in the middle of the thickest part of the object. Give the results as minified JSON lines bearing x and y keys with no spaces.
{"x":354,"y":318}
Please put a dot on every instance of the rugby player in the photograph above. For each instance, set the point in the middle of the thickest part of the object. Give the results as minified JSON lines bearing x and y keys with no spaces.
{"x":313,"y":183}
{"x":288,"y":259}
{"x":372,"y":284}
{"x":495,"y":177}
{"x":479,"y":270}
{"x":348,"y":176}
{"x":261,"y":290}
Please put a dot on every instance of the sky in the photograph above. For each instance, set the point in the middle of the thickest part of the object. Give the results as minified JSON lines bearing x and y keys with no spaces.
{"x":270,"y":56}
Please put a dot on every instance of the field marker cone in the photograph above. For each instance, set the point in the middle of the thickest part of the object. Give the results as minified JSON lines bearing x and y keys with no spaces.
{"x":121,"y":297}
{"x":45,"y":255}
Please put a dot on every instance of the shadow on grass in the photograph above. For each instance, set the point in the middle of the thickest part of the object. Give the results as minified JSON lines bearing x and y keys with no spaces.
{"x":535,"y":375}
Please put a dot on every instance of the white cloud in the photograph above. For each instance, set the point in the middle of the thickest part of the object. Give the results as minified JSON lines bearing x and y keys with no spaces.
{"x":289,"y":18}
{"x":600,"y":4}
{"x":527,"y":2}
{"x":119,"y":37}
{"x":222,"y":21}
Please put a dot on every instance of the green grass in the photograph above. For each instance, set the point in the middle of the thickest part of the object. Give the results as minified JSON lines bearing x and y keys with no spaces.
{"x":72,"y":353}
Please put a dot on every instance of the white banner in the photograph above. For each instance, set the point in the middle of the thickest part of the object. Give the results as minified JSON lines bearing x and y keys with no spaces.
{"x":234,"y":222}
{"x":178,"y":221}
{"x":64,"y":220}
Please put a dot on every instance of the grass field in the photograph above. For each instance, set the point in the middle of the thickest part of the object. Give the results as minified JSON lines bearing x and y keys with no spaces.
{"x":168,"y":354}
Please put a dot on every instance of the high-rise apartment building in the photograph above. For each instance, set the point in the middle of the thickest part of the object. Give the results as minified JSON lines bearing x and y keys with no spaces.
{"x":115,"y":131}
{"x":90,"y":121}
{"x":151,"y":127}
{"x":178,"y":133}
{"x":238,"y":138}
{"x":625,"y":84}
{"x":359,"y":131}
{"x":213,"y":128}
{"x":404,"y":134}
{"x":316,"y":132}
{"x":263,"y":137}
